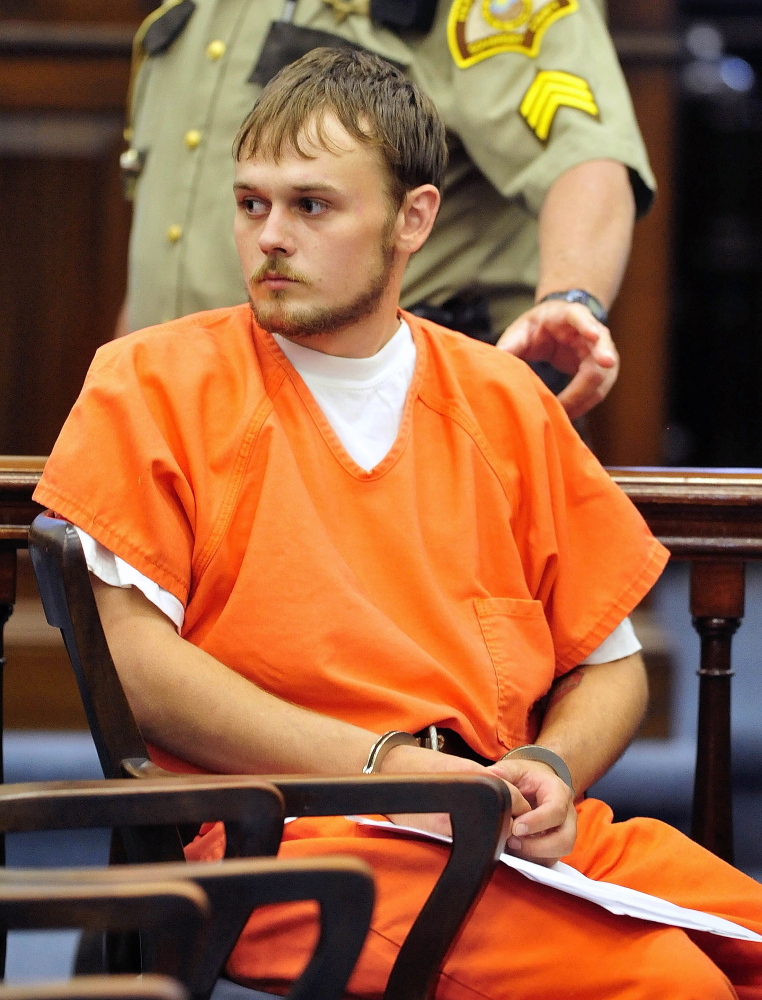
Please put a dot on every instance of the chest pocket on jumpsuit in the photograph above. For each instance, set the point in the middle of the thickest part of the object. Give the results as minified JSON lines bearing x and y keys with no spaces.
{"x":520,"y":646}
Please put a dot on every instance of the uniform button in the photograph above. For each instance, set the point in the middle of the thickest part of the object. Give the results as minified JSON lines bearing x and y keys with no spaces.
{"x":174,"y":233}
{"x":192,"y":138}
{"x":215,"y":49}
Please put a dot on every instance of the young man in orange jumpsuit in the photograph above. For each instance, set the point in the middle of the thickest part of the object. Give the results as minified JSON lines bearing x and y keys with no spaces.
{"x":319,"y":519}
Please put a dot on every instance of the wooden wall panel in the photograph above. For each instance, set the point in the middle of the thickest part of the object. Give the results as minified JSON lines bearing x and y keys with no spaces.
{"x":64,"y":224}
{"x":78,"y":11}
{"x":628,"y":427}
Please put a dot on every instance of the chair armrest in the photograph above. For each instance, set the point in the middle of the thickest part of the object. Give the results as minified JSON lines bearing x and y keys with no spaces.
{"x":146,"y":987}
{"x":251,"y":808}
{"x":479,"y":809}
{"x":173,"y":911}
{"x":342,"y":886}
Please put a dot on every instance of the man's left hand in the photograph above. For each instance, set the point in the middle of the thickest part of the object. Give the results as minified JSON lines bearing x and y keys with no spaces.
{"x":549,"y":830}
{"x":569,"y":337}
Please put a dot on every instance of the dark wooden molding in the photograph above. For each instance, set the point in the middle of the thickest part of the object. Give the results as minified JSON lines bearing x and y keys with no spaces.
{"x":36,"y":38}
{"x":699,"y":513}
{"x":59,"y":134}
{"x":648,"y":46}
{"x":19,"y":475}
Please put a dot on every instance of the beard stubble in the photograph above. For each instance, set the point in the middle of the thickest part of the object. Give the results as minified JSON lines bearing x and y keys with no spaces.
{"x":276,"y":316}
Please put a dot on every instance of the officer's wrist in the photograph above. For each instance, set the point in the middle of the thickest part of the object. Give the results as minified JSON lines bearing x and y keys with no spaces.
{"x":584,"y":298}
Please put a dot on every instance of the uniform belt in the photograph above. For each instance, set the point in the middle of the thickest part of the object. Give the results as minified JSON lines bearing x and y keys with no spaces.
{"x":465,"y":313}
{"x":448,"y":741}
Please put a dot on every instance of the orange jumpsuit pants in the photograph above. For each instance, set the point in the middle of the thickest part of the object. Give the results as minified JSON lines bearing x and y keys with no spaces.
{"x":524,"y":941}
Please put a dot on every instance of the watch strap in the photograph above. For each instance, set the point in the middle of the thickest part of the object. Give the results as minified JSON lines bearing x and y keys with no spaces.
{"x":595,"y":306}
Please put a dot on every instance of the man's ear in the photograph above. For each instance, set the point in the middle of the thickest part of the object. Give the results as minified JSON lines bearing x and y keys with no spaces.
{"x":416,"y":217}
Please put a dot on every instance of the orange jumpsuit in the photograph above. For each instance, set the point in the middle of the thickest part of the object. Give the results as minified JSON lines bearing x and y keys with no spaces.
{"x":485,"y":555}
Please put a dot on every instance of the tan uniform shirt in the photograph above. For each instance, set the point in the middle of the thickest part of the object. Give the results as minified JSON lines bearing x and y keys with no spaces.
{"x":526,"y":91}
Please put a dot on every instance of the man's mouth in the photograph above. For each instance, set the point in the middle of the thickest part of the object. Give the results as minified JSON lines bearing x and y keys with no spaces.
{"x":276,"y":276}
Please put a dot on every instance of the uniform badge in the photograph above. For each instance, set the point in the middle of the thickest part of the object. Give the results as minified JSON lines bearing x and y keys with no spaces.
{"x":551,"y":90}
{"x":478,"y":29}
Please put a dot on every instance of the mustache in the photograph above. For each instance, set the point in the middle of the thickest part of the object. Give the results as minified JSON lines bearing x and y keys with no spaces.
{"x":277,"y":266}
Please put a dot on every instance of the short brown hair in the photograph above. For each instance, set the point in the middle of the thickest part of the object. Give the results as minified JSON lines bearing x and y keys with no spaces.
{"x":372,"y":99}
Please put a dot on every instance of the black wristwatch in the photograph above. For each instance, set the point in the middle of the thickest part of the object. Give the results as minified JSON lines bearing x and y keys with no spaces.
{"x":585,"y":298}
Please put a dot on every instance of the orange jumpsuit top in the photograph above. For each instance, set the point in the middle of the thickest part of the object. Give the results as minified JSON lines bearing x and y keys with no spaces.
{"x":486,"y":554}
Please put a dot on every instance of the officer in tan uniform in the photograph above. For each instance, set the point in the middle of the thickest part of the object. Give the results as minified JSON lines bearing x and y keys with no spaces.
{"x":547,"y":167}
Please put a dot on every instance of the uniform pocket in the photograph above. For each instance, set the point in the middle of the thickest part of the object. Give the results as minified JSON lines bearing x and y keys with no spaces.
{"x":520,"y":646}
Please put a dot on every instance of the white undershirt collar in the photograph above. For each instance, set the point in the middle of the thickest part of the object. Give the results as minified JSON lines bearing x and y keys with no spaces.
{"x":360,"y":373}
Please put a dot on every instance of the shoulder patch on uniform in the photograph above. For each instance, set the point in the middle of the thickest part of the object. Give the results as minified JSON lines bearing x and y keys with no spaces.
{"x":159,"y":34}
{"x":478,"y":29}
{"x":551,"y":90}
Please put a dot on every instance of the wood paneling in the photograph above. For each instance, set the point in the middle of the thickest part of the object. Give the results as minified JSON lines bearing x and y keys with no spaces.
{"x":627,"y":428}
{"x":35,"y":82}
{"x":92,"y":11}
{"x":64,"y":224}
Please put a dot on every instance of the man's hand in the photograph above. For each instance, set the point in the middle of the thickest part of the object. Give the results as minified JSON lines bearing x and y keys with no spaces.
{"x":548,"y":830}
{"x":418,"y":760}
{"x":569,"y":337}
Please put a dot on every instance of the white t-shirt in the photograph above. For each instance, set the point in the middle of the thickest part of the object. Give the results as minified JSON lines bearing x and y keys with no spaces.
{"x":363,"y":400}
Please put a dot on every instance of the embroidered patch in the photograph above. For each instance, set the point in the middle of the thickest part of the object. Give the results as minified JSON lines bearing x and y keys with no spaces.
{"x":551,"y":90}
{"x":478,"y":29}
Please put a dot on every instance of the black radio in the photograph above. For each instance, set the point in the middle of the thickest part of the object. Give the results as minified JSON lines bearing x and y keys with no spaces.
{"x":415,"y":15}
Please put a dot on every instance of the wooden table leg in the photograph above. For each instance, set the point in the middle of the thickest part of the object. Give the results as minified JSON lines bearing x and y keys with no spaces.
{"x":717,"y":607}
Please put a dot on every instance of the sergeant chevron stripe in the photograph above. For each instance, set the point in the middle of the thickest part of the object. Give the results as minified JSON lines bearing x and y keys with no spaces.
{"x":551,"y":90}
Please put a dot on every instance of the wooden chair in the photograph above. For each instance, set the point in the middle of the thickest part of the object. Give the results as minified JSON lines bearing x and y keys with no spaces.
{"x":225,"y":892}
{"x":478,"y":806}
{"x":173,"y":913}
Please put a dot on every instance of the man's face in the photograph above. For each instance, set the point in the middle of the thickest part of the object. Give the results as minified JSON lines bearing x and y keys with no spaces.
{"x":315,"y":236}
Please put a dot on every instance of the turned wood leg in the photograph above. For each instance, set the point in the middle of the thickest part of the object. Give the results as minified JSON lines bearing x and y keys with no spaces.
{"x":717,"y":607}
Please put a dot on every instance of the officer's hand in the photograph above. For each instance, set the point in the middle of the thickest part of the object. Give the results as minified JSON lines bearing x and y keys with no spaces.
{"x":567,"y":335}
{"x":548,"y":831}
{"x":417,"y":760}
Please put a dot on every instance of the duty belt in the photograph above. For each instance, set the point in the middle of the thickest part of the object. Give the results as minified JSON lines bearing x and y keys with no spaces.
{"x":469,"y":315}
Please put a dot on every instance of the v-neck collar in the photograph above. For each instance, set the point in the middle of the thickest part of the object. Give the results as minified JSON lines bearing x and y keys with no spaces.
{"x":279,"y":359}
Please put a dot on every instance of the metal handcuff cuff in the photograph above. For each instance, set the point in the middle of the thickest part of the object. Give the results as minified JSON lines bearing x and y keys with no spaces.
{"x":396,"y":738}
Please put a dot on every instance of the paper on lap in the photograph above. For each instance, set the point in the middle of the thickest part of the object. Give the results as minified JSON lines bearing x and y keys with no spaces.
{"x":614,"y":898}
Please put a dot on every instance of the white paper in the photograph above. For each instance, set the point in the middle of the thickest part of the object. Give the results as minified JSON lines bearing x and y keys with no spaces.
{"x":614,"y":898}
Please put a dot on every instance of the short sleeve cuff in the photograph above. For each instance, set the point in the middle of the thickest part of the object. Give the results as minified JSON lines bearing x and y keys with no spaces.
{"x":117,"y":573}
{"x":622,"y":642}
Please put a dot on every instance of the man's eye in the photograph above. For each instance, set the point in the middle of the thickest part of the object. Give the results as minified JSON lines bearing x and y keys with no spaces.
{"x":311,"y":206}
{"x":253,"y":206}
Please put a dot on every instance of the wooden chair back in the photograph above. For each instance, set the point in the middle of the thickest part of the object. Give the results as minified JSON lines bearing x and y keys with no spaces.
{"x":231,"y":889}
{"x":173,"y":913}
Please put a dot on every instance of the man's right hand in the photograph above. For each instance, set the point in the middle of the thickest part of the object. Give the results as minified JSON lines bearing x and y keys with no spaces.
{"x":418,"y":760}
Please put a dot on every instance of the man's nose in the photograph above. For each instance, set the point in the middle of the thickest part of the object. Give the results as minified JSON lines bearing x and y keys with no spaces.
{"x":276,"y":235}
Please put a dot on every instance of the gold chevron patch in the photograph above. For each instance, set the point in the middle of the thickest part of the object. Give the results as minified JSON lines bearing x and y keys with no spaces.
{"x":551,"y":90}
